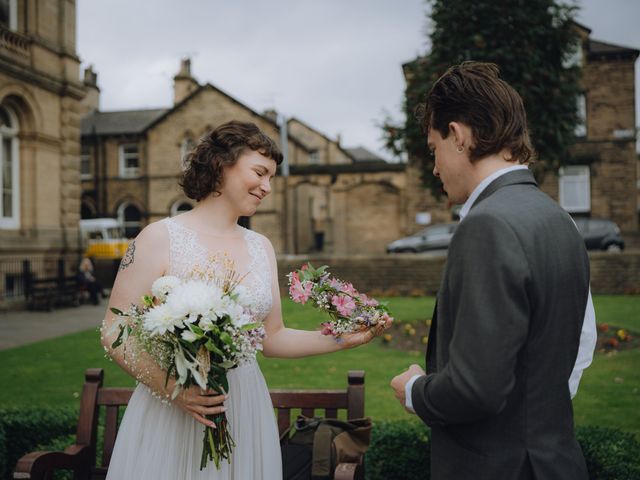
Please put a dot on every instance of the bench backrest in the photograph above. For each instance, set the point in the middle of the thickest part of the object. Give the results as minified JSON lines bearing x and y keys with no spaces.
{"x":96,"y":397}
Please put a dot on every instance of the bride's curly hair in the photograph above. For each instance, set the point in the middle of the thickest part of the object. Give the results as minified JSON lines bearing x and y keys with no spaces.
{"x":221,"y":148}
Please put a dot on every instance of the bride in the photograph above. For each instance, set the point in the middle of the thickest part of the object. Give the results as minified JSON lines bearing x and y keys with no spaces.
{"x":229,"y":174}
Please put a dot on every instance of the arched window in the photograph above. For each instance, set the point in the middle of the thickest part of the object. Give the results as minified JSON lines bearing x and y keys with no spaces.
{"x":9,"y":170}
{"x":9,"y":14}
{"x":87,"y":209}
{"x":179,"y":207}
{"x":130,"y":217}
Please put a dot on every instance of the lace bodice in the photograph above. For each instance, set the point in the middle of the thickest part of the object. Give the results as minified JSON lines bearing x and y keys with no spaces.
{"x":187,"y":252}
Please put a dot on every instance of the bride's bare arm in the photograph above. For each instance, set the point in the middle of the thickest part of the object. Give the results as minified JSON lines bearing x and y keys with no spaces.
{"x":147,"y":259}
{"x":283,"y":342}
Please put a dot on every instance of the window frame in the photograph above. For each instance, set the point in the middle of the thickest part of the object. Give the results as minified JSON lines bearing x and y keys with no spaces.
{"x":12,"y":222}
{"x":581,"y":175}
{"x":314,"y":157}
{"x":88,"y":157}
{"x":124,"y":171}
{"x":13,"y":15}
{"x":581,"y":128}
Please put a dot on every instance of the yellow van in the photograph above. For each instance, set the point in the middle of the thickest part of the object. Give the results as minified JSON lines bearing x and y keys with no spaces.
{"x":103,"y":238}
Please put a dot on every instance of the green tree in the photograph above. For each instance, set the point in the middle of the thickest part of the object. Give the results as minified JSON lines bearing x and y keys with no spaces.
{"x":531,"y":41}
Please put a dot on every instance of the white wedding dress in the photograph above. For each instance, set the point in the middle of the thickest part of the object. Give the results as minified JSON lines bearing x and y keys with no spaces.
{"x":158,"y":441}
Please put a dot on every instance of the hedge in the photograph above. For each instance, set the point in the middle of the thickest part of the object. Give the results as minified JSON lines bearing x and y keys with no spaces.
{"x":24,"y":429}
{"x":399,"y":449}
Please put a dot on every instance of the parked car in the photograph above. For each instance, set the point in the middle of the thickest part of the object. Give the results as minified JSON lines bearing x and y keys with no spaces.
{"x":600,"y":234}
{"x":434,"y":237}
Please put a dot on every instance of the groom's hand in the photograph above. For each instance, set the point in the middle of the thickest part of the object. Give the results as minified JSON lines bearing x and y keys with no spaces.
{"x":400,"y":381}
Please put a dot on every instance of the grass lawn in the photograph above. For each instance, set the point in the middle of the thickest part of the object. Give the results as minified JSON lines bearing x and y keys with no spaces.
{"x":609,"y":391}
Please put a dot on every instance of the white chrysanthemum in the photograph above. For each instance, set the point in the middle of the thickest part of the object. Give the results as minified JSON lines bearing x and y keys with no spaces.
{"x":239,"y":315}
{"x":241,"y":320}
{"x":189,"y":336}
{"x":193,"y":298}
{"x":161,"y":319}
{"x":163,"y":286}
{"x":242,"y":296}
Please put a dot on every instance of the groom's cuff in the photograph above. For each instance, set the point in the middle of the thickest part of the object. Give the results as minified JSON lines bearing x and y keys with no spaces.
{"x":408,"y":403}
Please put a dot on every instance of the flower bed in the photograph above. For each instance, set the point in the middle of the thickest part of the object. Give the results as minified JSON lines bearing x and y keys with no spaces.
{"x":413,"y":335}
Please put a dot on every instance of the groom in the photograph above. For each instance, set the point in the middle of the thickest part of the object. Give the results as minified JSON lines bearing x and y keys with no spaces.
{"x":507,"y":324}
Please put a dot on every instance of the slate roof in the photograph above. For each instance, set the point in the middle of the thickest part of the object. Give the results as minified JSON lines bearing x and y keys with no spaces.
{"x":361,"y":154}
{"x":600,"y":49}
{"x":120,"y":122}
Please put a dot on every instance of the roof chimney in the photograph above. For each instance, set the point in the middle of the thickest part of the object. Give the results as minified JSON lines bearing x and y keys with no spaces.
{"x":271,"y":114}
{"x":91,"y":100}
{"x":183,"y":83}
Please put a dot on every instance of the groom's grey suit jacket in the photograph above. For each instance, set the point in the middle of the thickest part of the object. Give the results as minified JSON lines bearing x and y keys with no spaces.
{"x":504,"y":341}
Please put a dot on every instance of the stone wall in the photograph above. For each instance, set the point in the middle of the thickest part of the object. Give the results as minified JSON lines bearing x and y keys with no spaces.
{"x":409,"y":274}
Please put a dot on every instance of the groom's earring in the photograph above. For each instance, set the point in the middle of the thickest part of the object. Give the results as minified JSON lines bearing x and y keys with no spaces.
{"x":460,"y":149}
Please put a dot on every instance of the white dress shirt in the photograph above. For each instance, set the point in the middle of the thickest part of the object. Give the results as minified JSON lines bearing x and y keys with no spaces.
{"x":588,"y":335}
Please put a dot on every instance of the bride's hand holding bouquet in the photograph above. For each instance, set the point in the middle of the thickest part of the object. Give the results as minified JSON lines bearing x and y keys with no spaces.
{"x":196,"y":329}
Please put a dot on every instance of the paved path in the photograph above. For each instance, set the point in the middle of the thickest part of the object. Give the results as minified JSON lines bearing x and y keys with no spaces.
{"x":24,"y":327}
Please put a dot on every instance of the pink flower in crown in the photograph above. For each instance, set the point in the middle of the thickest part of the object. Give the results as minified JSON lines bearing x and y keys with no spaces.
{"x":369,"y":302}
{"x":304,"y":267}
{"x":294,"y":280}
{"x":348,"y":288}
{"x":344,"y":304}
{"x":300,"y":292}
{"x":335,"y":283}
{"x":327,"y":328}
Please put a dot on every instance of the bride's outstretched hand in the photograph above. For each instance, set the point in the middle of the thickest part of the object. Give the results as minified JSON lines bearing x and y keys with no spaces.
{"x":351,"y":340}
{"x":199,"y":404}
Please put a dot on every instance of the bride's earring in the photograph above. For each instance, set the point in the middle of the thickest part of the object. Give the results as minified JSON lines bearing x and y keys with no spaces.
{"x":460,"y":149}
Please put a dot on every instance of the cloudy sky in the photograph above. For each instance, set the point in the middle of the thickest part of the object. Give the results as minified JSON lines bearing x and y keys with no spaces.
{"x":335,"y":64}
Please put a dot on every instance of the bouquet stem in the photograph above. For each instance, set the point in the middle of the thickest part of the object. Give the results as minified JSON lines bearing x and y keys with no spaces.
{"x":217,"y":442}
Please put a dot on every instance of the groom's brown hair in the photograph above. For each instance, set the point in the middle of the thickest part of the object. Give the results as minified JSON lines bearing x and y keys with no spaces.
{"x":473,"y":93}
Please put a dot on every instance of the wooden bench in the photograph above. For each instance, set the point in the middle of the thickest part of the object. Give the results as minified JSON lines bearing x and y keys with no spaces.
{"x":45,"y":293}
{"x":81,"y":457}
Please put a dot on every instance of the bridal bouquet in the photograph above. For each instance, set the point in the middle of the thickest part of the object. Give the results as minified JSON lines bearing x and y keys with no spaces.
{"x":197,"y":329}
{"x":350,"y":310}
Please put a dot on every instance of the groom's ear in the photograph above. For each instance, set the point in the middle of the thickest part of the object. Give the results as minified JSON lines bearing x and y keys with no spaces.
{"x":460,"y":133}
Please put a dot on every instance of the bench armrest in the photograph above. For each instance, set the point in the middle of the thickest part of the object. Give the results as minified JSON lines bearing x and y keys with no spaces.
{"x":349,"y":471}
{"x":36,"y":465}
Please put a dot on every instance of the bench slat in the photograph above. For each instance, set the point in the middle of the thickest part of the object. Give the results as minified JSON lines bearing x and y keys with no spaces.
{"x":309,"y":398}
{"x":114,"y":396}
{"x":110,"y":430}
{"x":284,"y":419}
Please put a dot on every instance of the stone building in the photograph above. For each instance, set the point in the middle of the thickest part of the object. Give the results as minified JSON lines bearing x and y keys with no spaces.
{"x":40,"y":107}
{"x":131,"y":161}
{"x":602,"y":181}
